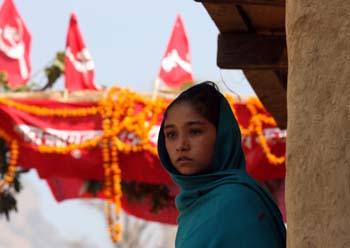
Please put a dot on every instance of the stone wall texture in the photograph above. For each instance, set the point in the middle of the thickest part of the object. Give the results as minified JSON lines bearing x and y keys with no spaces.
{"x":318,"y":144}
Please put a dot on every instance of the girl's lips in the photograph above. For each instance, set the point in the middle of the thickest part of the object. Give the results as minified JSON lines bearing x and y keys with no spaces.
{"x":183,"y":161}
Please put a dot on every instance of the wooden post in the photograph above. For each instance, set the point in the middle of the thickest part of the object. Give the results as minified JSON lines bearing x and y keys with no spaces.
{"x":318,"y":144}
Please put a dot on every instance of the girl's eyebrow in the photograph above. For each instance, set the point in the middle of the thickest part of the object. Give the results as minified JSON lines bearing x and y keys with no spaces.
{"x":190,"y":123}
{"x":169,"y":126}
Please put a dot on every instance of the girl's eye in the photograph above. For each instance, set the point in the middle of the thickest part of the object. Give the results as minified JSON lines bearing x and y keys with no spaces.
{"x":170,"y":135}
{"x":196,"y":131}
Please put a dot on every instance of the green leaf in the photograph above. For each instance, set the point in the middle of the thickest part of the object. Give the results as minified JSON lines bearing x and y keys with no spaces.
{"x":17,"y":184}
{"x":91,"y":186}
{"x":7,"y":204}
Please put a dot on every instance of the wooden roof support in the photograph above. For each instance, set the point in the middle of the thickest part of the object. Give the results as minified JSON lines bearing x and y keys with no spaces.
{"x":252,"y":38}
{"x":251,"y":51}
{"x":271,"y":92}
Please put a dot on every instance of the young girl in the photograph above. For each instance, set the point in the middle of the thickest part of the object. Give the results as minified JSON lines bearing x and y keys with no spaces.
{"x":220,"y":205}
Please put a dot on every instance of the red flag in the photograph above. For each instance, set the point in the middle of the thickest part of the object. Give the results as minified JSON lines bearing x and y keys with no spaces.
{"x":176,"y":66}
{"x":15,"y":42}
{"x":79,"y":67}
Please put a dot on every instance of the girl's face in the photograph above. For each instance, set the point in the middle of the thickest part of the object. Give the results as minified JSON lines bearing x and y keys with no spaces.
{"x":189,"y":139}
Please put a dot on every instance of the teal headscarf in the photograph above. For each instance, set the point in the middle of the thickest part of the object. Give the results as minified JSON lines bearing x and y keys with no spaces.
{"x":224,"y":207}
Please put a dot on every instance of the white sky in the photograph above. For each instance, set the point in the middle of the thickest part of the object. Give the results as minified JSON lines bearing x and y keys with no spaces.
{"x":127,"y":40}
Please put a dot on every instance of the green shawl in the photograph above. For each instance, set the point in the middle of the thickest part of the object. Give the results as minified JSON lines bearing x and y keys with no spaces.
{"x":224,"y":206}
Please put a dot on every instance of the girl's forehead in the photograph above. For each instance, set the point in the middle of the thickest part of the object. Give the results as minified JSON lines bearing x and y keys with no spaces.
{"x":182,"y":111}
{"x":182,"y":108}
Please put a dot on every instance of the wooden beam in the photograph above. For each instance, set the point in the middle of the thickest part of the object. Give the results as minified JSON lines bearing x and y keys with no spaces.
{"x":226,"y":17}
{"x":251,"y":51}
{"x":271,"y":92}
{"x":255,"y":2}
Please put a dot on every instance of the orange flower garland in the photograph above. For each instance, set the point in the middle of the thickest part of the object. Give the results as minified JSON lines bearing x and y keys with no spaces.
{"x":113,"y":190}
{"x":118,"y":113}
{"x":11,"y":170}
{"x":256,"y":126}
{"x":42,"y":111}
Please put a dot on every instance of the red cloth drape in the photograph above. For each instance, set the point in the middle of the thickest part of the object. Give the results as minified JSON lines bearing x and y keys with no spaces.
{"x":34,"y":130}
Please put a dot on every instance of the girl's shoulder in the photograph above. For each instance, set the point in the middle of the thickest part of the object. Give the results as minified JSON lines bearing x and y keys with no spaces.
{"x":237,"y":191}
{"x":238,"y":197}
{"x":238,"y":203}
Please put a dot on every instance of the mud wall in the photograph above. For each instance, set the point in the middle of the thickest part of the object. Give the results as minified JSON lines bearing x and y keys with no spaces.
{"x":318,"y":144}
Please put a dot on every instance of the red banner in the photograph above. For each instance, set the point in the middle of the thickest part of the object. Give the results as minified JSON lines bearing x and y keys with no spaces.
{"x":257,"y":162}
{"x":37,"y":122}
{"x":176,"y":66}
{"x":33,"y":130}
{"x":58,"y":131}
{"x":15,"y":42}
{"x":79,"y":67}
{"x":70,"y":188}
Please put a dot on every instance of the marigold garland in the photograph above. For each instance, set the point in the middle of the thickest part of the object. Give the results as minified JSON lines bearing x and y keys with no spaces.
{"x":118,"y":111}
{"x":11,"y":169}
{"x":140,"y":123}
{"x":125,"y":111}
{"x":112,"y":187}
{"x":42,"y":111}
{"x":256,"y":123}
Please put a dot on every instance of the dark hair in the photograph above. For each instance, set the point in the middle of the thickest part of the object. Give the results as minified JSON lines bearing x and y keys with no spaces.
{"x":205,"y":97}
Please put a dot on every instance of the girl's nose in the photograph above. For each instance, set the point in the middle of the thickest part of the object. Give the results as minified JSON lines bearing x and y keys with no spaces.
{"x":183,"y":146}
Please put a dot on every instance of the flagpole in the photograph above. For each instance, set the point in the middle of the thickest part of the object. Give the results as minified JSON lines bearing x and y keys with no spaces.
{"x":65,"y":95}
{"x":155,"y":88}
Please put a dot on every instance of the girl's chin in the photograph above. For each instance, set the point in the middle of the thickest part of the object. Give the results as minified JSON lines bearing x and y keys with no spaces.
{"x":188,"y":171}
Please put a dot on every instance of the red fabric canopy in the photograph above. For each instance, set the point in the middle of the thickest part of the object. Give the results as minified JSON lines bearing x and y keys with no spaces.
{"x":34,"y":130}
{"x":65,"y":172}
{"x":69,"y":188}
